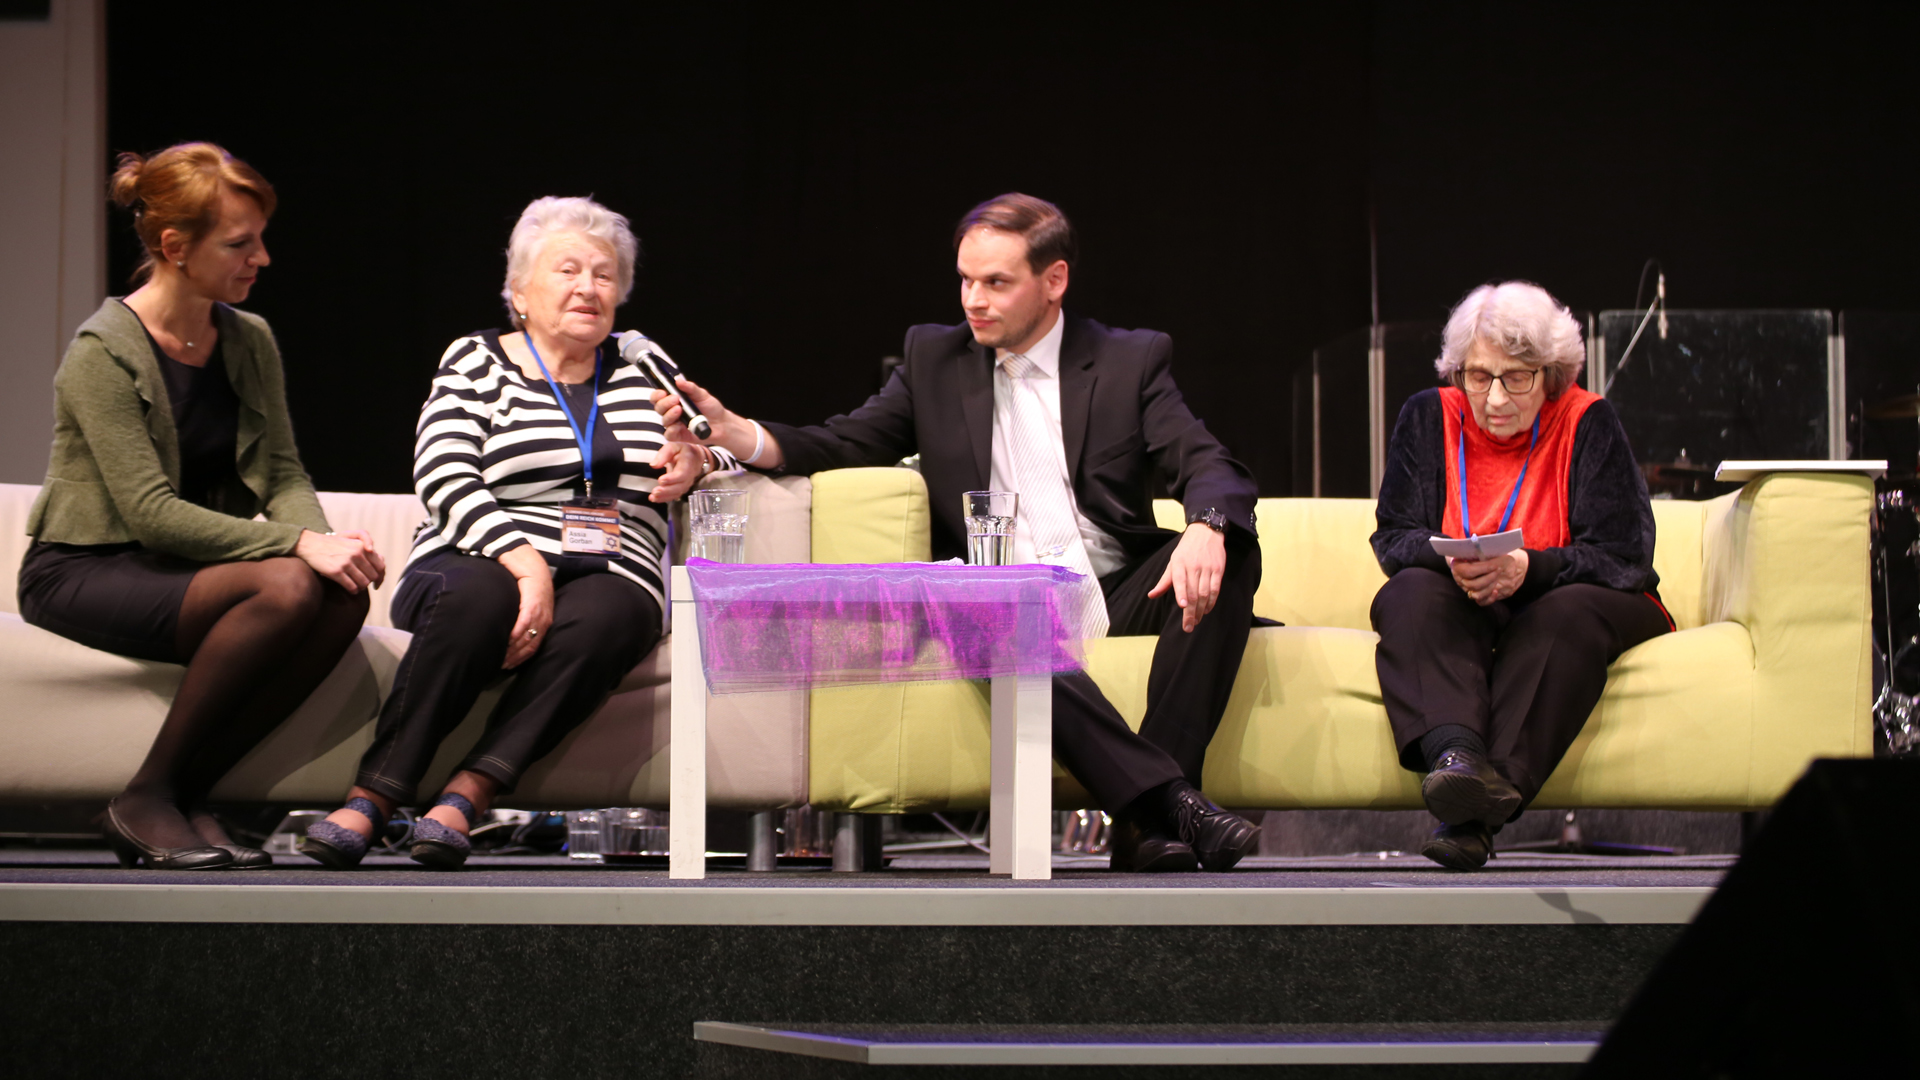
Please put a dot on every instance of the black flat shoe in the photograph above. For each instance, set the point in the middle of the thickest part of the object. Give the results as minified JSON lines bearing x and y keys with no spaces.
{"x":1135,"y":852}
{"x":1220,"y":838}
{"x":131,"y":849}
{"x":1464,"y":787}
{"x":247,"y":858}
{"x":1459,"y":847}
{"x":209,"y":829}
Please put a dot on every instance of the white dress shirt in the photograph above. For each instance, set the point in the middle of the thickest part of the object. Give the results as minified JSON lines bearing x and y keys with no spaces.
{"x":1104,"y":553}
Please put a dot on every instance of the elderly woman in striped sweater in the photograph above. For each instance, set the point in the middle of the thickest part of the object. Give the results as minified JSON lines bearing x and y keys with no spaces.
{"x":540,"y":458}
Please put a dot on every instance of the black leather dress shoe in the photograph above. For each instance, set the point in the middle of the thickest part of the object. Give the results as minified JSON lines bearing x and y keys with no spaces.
{"x":1464,"y":787}
{"x":1137,"y":852}
{"x":1459,"y":847}
{"x":1218,"y":837}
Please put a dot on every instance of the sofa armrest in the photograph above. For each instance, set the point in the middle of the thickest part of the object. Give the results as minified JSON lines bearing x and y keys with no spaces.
{"x":16,"y":505}
{"x":779,"y":516}
{"x":871,"y":516}
{"x":1787,"y":557}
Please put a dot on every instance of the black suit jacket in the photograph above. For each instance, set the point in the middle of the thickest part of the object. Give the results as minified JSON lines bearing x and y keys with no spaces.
{"x":1120,"y":415}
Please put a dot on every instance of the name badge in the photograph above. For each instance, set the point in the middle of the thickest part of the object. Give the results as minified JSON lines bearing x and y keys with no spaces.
{"x":590,"y":527}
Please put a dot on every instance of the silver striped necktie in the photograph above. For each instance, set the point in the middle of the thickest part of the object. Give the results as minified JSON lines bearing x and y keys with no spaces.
{"x":1046,"y":499}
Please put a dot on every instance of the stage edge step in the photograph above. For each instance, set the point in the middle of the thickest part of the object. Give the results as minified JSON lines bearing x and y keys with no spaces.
{"x":1475,"y":1044}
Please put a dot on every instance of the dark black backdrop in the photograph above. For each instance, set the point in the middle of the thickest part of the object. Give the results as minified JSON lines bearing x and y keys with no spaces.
{"x":794,"y":179}
{"x":1764,"y":155}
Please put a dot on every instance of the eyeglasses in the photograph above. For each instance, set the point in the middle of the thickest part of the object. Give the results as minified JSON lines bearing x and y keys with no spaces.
{"x":1518,"y":381}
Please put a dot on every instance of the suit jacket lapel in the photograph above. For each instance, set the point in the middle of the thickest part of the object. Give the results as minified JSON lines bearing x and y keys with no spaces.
{"x":1076,"y":394}
{"x":976,"y":404}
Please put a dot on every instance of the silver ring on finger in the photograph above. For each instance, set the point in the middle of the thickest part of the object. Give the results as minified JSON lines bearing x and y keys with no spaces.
{"x":533,"y":633}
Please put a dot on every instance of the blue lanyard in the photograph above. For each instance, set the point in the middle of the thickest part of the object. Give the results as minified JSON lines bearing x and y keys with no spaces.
{"x":1466,"y":520}
{"x":585,"y":440}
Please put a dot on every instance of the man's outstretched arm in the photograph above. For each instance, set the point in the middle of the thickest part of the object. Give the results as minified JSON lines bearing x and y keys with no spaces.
{"x":731,"y":432}
{"x":879,"y":432}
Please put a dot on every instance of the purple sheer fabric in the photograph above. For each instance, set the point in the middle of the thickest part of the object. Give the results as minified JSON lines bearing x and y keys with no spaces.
{"x":785,"y":626}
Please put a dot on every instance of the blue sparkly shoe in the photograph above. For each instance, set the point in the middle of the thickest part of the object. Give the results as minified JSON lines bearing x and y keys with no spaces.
{"x":437,"y":846}
{"x":338,"y":847}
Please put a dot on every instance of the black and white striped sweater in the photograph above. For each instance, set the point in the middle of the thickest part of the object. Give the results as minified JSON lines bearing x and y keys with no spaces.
{"x":494,"y":458}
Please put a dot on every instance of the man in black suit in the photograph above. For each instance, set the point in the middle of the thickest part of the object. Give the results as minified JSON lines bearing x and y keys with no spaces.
{"x":1072,"y":415}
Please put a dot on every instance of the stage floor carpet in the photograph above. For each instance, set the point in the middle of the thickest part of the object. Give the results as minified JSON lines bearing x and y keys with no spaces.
{"x":528,"y":966}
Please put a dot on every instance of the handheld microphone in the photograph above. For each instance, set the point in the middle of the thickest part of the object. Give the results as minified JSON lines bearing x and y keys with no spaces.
{"x":640,"y":351}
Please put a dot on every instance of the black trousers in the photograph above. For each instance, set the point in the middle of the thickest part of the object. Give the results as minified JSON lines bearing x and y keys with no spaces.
{"x":460,"y":609}
{"x":1525,"y":677}
{"x":1187,"y":689}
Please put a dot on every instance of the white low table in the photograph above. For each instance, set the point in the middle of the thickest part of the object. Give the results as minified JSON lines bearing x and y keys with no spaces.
{"x":1742,"y":471}
{"x":1021,"y":832}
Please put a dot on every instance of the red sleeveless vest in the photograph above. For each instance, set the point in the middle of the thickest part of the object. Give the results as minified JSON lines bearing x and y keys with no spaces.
{"x":1493,"y":466}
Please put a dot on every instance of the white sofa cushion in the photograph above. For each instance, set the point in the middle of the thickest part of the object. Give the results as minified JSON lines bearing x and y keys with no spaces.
{"x":77,"y":722}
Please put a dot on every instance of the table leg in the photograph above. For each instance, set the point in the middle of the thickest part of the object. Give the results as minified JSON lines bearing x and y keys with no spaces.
{"x":849,"y":854}
{"x":687,"y":740}
{"x":763,"y":841}
{"x":1022,"y":800}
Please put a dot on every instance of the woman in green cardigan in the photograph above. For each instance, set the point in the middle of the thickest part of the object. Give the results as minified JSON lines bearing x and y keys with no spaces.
{"x":170,"y":435}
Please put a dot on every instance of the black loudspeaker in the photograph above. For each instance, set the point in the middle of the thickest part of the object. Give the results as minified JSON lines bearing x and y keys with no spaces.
{"x":1806,"y":961}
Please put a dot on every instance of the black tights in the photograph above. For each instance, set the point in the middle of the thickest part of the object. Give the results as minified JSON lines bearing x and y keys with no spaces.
{"x":258,"y":638}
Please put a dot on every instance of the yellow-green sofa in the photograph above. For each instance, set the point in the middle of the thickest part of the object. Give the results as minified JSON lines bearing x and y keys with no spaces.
{"x":1770,"y":667}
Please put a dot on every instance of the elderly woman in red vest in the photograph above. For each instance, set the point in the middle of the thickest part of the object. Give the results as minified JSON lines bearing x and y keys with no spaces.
{"x":1490,"y":666}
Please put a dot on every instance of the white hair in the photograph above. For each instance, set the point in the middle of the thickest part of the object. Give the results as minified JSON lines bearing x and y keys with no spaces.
{"x":551,"y":214}
{"x":1523,"y":321}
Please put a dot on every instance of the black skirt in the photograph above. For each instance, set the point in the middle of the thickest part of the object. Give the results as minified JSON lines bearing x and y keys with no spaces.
{"x":119,"y":598}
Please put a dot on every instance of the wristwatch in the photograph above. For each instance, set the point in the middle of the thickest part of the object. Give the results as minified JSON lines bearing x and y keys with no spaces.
{"x":1213,"y":519}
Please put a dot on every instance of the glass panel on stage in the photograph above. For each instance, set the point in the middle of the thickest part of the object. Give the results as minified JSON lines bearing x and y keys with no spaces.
{"x":1702,"y":387}
{"x":1411,"y":349}
{"x":1883,"y":388}
{"x":1883,"y":422}
{"x":1332,"y":399}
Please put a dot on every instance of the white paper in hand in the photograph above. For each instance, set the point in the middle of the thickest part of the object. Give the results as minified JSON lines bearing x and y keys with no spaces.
{"x":1479,"y":547}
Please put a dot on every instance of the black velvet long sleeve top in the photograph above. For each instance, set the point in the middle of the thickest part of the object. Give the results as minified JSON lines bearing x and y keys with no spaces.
{"x":1609,"y":515}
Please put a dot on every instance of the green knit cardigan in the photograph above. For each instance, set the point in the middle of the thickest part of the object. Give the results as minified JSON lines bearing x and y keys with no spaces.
{"x":115,"y":469}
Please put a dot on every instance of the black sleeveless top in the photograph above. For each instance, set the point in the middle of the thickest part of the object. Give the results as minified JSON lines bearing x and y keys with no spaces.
{"x":206,"y":415}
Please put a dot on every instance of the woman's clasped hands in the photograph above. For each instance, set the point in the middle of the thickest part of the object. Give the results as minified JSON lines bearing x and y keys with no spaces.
{"x":346,"y":558}
{"x":1489,"y":581}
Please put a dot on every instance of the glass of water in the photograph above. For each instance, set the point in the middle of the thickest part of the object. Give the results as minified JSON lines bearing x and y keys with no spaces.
{"x":584,"y":832}
{"x":989,"y":517}
{"x":719,"y":520}
{"x":634,"y":831}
